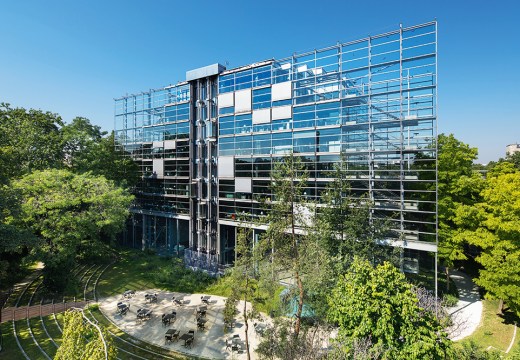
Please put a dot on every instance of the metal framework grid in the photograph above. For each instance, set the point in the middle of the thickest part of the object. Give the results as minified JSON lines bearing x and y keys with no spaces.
{"x":372,"y":100}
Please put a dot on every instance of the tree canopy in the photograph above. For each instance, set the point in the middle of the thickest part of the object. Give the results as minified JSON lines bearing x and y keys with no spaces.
{"x":378,"y":304}
{"x":494,"y":226}
{"x":29,"y":140}
{"x":458,"y":185}
{"x":66,"y":210}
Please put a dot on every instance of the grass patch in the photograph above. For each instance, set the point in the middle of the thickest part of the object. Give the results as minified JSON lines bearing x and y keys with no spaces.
{"x":52,"y":329}
{"x":137,"y":270}
{"x":10,"y":348}
{"x":42,"y":338}
{"x":263,"y":300}
{"x":26,"y":340}
{"x":494,"y":330}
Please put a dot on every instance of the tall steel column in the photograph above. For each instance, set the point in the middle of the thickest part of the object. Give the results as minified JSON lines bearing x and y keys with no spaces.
{"x":203,"y":153}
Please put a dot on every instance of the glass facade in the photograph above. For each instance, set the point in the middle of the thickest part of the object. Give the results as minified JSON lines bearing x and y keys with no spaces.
{"x":369,"y":103}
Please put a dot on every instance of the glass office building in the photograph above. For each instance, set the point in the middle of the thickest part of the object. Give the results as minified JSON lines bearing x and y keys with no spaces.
{"x":206,"y":147}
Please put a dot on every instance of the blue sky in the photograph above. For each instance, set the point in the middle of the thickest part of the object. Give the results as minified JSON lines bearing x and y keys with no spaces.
{"x":75,"y":57}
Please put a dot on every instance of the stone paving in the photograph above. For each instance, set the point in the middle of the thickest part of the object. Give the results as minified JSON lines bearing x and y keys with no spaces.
{"x":467,"y":313}
{"x":208,"y":343}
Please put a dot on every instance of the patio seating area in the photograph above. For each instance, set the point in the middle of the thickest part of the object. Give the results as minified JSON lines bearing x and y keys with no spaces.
{"x":192,"y":324}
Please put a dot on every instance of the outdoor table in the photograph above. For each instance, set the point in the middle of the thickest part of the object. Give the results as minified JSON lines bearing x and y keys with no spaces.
{"x":178,"y":300}
{"x":202,"y":310}
{"x":201,"y":323}
{"x":129,"y":293}
{"x":166,"y":318}
{"x":186,"y":337}
{"x":171,"y":334}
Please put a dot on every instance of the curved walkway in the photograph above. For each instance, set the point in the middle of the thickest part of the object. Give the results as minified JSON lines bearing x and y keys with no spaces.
{"x":467,"y":313}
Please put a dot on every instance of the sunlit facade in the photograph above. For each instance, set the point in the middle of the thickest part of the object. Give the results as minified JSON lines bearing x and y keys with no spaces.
{"x":206,"y":147}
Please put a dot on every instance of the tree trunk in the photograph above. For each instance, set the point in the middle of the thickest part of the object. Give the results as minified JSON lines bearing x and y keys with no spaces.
{"x":300,"y":305}
{"x":296,"y":263}
{"x":246,"y":317}
{"x":447,"y":271}
{"x":500,"y":306}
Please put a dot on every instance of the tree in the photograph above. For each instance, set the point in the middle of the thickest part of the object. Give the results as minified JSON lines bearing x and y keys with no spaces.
{"x":378,"y":304}
{"x":15,"y":238}
{"x":29,"y":140}
{"x":494,"y":226}
{"x":79,"y":137}
{"x":458,"y":185}
{"x":243,"y":279}
{"x":347,"y":227}
{"x":88,"y":149}
{"x":514,"y":158}
{"x":83,"y":340}
{"x":287,"y":216}
{"x":67,"y":211}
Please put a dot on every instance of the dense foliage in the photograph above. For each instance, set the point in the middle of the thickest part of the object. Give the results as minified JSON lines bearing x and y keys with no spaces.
{"x":67,"y":211}
{"x":378,"y":304}
{"x":35,"y":142}
{"x":82,"y":340}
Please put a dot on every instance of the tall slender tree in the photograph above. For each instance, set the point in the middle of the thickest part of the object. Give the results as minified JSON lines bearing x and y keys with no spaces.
{"x":244,"y":280}
{"x":288,"y":220}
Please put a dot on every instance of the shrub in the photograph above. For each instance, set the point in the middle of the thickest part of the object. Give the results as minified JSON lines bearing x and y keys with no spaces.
{"x":449,"y":300}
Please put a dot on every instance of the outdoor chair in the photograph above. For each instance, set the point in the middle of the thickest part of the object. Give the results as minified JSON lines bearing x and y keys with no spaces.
{"x":189,"y":343}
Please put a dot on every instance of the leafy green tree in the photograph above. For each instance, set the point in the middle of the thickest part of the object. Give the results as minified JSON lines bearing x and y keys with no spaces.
{"x":82,"y":340}
{"x":15,"y":238}
{"x":494,"y":226}
{"x":458,"y":185}
{"x":514,"y":158}
{"x":29,"y":140}
{"x":288,"y":215}
{"x":78,"y":139}
{"x":67,"y":211}
{"x":243,"y":278}
{"x":88,"y":149}
{"x":378,"y":304}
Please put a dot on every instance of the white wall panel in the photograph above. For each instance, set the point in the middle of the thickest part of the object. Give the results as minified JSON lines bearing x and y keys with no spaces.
{"x":170,"y":144}
{"x":243,"y":100}
{"x":226,"y":100}
{"x":281,"y":91}
{"x":158,"y":167}
{"x":282,"y":112}
{"x":226,"y":166}
{"x":243,"y":185}
{"x":262,"y":116}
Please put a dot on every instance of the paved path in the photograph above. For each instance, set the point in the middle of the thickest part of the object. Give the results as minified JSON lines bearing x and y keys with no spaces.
{"x":468,"y":311}
{"x":209,"y":344}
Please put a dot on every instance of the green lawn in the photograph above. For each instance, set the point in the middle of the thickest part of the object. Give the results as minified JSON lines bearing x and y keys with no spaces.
{"x":494,"y":330}
{"x":10,"y":348}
